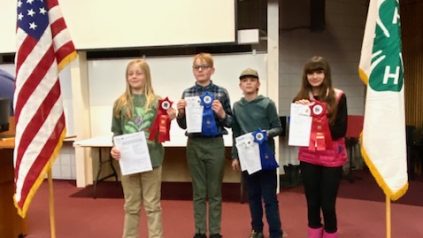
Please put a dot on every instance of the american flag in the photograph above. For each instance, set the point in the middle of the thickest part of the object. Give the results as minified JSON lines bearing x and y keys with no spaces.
{"x":44,"y":47}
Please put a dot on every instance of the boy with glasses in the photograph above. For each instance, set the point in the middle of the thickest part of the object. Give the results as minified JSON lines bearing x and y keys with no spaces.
{"x":205,"y":149}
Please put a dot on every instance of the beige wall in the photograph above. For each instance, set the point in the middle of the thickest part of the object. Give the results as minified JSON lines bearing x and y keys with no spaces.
{"x":340,"y":44}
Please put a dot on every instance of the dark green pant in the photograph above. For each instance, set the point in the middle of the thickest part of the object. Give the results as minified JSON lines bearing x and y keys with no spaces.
{"x":206,"y":159}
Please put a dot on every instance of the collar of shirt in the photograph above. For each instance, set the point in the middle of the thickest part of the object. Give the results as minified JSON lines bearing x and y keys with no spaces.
{"x":209,"y":87}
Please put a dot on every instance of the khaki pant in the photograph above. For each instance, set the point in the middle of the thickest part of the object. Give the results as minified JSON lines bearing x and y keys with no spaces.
{"x":142,"y":188}
{"x":206,"y":159}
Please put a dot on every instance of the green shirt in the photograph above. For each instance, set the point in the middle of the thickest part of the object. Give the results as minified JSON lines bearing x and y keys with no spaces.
{"x":141,"y":120}
{"x":259,"y":113}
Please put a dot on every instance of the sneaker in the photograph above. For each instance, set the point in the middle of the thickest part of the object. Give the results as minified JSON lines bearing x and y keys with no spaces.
{"x":215,"y":236}
{"x":255,"y":234}
{"x":199,"y":235}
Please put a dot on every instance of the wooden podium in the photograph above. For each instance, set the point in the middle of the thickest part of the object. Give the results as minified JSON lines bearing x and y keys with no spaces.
{"x":11,"y":224}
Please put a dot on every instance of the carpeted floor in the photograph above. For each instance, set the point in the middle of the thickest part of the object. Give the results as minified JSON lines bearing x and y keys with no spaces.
{"x":363,"y":187}
{"x":360,"y":206}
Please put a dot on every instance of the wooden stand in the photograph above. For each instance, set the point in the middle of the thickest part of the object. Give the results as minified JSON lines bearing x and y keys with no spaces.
{"x":11,"y":224}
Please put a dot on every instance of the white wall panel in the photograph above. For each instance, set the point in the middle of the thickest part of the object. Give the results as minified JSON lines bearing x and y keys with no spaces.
{"x":99,"y":24}
{"x":170,"y":76}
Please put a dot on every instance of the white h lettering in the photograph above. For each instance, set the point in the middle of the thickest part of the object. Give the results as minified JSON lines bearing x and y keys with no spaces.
{"x":388,"y":75}
{"x":396,"y":17}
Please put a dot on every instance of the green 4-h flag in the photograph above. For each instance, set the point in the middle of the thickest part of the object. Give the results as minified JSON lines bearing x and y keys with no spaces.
{"x":383,"y":143}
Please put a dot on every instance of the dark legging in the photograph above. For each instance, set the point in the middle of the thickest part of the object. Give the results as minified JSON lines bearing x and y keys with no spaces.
{"x":321,"y":187}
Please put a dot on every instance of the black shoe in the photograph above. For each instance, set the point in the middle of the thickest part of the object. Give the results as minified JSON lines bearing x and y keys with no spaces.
{"x":256,"y":234}
{"x":215,"y":236}
{"x":198,"y":235}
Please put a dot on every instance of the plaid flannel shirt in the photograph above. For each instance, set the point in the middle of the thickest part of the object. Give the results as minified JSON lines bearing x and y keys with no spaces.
{"x":220,"y":94}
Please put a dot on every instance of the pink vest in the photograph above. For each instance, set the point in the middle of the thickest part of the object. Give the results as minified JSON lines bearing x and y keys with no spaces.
{"x":332,"y":157}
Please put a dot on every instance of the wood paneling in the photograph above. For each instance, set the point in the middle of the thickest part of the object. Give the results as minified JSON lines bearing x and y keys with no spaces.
{"x":11,"y":224}
{"x":412,"y":39}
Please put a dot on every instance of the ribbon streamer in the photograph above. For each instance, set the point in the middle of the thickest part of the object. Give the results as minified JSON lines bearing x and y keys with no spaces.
{"x":208,"y":127}
{"x":161,"y":125}
{"x":267,"y":156}
{"x":320,"y":137}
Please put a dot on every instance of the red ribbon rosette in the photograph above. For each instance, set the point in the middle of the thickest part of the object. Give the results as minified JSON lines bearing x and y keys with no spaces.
{"x":320,"y":138}
{"x":161,"y":125}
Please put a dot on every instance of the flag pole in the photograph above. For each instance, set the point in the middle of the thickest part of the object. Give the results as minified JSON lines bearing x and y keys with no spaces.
{"x":51,"y":205}
{"x":388,"y":217}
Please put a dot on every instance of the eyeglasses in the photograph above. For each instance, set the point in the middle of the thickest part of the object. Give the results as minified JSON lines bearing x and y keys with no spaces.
{"x":201,"y":67}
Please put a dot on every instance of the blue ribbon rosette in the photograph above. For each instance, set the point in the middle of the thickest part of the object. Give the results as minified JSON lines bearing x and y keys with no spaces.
{"x":208,"y":127}
{"x":267,"y":156}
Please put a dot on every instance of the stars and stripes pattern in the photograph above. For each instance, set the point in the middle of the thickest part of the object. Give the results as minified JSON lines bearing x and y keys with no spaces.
{"x":44,"y":47}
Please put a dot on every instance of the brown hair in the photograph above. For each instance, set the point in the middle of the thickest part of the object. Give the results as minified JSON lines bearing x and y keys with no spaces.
{"x":326,"y":92}
{"x":208,"y":58}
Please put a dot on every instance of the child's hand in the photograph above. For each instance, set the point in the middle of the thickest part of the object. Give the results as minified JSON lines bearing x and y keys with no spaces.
{"x":180,"y":106}
{"x":218,"y":109}
{"x":235,"y":165}
{"x":115,"y":153}
{"x":171,"y":112}
{"x":303,"y":101}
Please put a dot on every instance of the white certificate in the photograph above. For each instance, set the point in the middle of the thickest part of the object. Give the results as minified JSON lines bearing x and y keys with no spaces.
{"x":194,"y":114}
{"x":299,"y":125}
{"x":248,"y":153}
{"x":134,"y":155}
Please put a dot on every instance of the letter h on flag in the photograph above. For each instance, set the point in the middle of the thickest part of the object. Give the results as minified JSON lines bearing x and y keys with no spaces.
{"x":383,"y":143}
{"x":44,"y":47}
